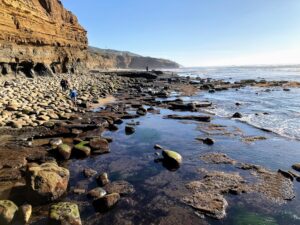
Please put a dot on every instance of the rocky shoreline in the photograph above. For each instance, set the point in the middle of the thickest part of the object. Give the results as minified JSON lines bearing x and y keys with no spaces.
{"x":41,"y":129}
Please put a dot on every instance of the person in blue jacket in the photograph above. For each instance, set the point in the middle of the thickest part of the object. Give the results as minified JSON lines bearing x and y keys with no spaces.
{"x":73,"y":95}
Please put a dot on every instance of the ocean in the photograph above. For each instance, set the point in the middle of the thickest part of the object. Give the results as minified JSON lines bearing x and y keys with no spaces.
{"x":269,"y":108}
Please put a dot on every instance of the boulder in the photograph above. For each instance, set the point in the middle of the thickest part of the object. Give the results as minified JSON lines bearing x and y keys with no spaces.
{"x":82,"y":149}
{"x":158,"y":147}
{"x":129,"y":130}
{"x":237,"y":115}
{"x":102,"y":179}
{"x":141,"y":111}
{"x":65,"y":213}
{"x":97,"y":193}
{"x":172,"y":158}
{"x":65,"y":151}
{"x":89,"y":172}
{"x":25,"y":212}
{"x":107,"y":202}
{"x":296,"y":167}
{"x":99,"y":145}
{"x":46,"y":182}
{"x":191,"y":117}
{"x":55,"y":142}
{"x":7,"y":211}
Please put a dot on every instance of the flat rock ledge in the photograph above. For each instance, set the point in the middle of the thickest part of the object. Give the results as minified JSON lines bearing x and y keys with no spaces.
{"x":208,"y":194}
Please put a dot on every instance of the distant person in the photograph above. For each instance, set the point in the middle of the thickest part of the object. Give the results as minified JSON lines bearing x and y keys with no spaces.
{"x":147,"y":68}
{"x":67,"y":84}
{"x":73,"y":95}
{"x":63,"y":84}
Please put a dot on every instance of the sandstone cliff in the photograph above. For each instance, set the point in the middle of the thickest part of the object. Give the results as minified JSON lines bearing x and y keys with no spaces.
{"x":104,"y":58}
{"x":39,"y":36}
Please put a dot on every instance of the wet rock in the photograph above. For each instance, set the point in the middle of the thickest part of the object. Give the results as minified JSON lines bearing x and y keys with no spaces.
{"x":275,"y":186}
{"x":121,"y":187}
{"x":213,"y":205}
{"x":64,"y":213}
{"x":207,"y":194}
{"x":141,"y":111}
{"x":118,"y":121}
{"x":79,"y":191}
{"x":107,"y":202}
{"x":82,"y":150}
{"x":191,"y":117}
{"x":7,"y":211}
{"x":183,"y":107}
{"x":102,"y":179}
{"x":254,"y":138}
{"x":55,"y":142}
{"x":207,"y":141}
{"x":158,"y":147}
{"x":218,"y":158}
{"x":46,"y":182}
{"x":97,"y":193}
{"x":24,"y":213}
{"x":237,"y":115}
{"x":65,"y":151}
{"x":130,"y":116}
{"x":113,"y":127}
{"x":89,"y":172}
{"x":286,"y":174}
{"x":99,"y":146}
{"x":295,"y":175}
{"x":129,"y":130}
{"x":109,"y":139}
{"x":296,"y":167}
{"x":172,"y":158}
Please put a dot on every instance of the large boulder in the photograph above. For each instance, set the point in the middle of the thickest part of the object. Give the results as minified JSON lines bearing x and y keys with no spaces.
{"x":64,"y":151}
{"x":99,"y":145}
{"x":7,"y":211}
{"x":46,"y":182}
{"x":64,"y":213}
{"x":172,"y":158}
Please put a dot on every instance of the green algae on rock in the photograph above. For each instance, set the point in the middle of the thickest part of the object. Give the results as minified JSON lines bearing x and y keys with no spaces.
{"x":172,"y":157}
{"x":64,"y":213}
{"x":82,"y":149}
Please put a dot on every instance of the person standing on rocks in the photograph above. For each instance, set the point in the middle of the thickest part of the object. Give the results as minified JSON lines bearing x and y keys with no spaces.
{"x":73,"y":95}
{"x":63,"y":84}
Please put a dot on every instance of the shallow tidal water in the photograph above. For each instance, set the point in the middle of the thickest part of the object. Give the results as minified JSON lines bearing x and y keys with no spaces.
{"x":158,"y":191}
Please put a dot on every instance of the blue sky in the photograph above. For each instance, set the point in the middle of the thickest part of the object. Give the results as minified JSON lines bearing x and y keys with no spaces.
{"x":196,"y":32}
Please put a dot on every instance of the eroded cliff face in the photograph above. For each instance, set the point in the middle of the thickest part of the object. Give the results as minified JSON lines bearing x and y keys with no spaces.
{"x":40,"y":36}
{"x":101,"y":58}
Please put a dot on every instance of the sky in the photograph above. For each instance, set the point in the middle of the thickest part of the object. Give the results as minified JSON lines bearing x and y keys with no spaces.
{"x":196,"y":32}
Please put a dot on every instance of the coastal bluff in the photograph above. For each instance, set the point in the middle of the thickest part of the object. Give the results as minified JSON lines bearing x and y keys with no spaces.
{"x":41,"y":37}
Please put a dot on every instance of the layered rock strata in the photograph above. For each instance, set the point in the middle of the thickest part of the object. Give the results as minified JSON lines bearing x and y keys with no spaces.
{"x":39,"y":36}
